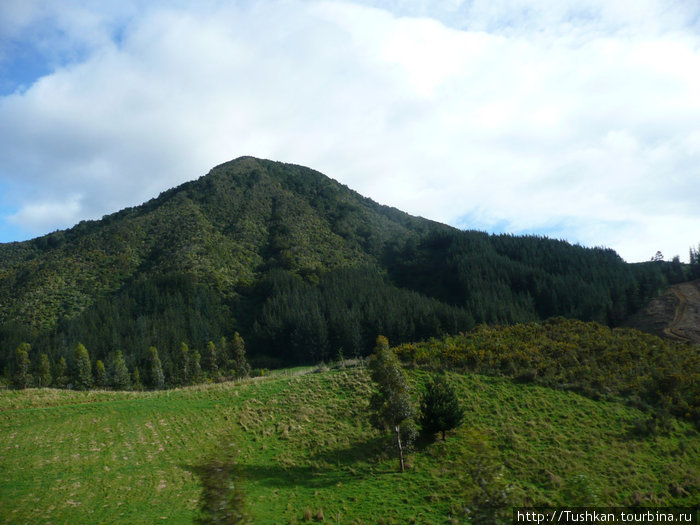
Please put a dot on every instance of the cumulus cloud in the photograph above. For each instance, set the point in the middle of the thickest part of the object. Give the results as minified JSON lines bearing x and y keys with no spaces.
{"x":577,"y":120}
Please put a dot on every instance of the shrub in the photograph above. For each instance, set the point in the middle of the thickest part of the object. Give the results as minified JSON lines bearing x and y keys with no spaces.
{"x":440,"y":408}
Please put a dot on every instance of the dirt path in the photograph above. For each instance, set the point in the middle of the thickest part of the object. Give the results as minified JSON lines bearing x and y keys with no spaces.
{"x":685,"y":325}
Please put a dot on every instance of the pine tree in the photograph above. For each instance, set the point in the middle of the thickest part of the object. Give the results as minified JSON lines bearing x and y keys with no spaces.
{"x":209,"y":360}
{"x":440,"y":408}
{"x":44,"y":376}
{"x":222,"y":355}
{"x":391,"y":405}
{"x":82,"y":372}
{"x":239,"y":363}
{"x":100,"y":374}
{"x":120,"y":373}
{"x":22,"y":377}
{"x":157,"y":379}
{"x":136,"y":379}
{"x":185,"y":367}
{"x":195,"y":368}
{"x":62,"y":373}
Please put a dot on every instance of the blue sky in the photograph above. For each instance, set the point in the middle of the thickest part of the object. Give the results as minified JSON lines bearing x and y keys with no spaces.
{"x":573,"y":119}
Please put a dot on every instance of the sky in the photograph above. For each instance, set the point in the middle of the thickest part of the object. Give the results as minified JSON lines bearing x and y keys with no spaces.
{"x":576,"y":120}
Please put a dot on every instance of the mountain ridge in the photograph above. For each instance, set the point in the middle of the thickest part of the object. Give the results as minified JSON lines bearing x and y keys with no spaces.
{"x":291,"y":259}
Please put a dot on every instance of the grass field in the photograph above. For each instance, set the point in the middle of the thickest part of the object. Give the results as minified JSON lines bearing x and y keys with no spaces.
{"x":305,"y":446}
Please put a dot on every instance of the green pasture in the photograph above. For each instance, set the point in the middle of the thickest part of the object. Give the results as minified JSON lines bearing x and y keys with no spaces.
{"x":304,"y":446}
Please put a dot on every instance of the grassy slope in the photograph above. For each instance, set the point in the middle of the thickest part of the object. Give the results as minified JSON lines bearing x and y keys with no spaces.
{"x":304,"y":441}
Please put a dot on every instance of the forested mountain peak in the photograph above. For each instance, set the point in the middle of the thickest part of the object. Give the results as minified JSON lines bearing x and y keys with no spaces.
{"x":302,"y":266}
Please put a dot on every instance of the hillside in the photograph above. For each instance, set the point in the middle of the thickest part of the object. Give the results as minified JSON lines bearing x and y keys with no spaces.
{"x":674,"y":314}
{"x":302,"y":266}
{"x":304,"y":442}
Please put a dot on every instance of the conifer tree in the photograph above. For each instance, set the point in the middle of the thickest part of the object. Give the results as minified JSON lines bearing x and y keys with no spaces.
{"x":222,"y":354}
{"x":391,"y":404}
{"x":62,"y":373}
{"x":440,"y":408}
{"x":22,"y":377}
{"x":100,"y":374}
{"x":185,"y":367}
{"x":195,"y":368}
{"x":239,"y":363}
{"x":136,"y":379}
{"x":120,"y":373}
{"x":44,"y":376}
{"x":209,"y":360}
{"x":156,"y":369}
{"x":82,"y":372}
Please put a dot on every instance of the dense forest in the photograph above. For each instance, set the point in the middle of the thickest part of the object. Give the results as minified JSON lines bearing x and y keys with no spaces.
{"x":301,"y":266}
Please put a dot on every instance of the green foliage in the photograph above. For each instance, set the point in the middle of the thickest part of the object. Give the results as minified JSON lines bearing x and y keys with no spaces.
{"x":121,"y":380}
{"x":136,"y":379}
{"x":62,"y":373}
{"x":578,"y":491}
{"x":585,"y":357}
{"x":298,"y":264}
{"x":440,"y":407}
{"x":391,"y":404}
{"x":157,"y":379}
{"x":100,"y":374}
{"x":44,"y":373}
{"x":392,"y":401}
{"x":22,"y":377}
{"x":487,"y":492}
{"x":194,"y":372}
{"x":209,"y":360}
{"x":239,"y":363}
{"x":82,"y":368}
{"x":223,"y":498}
{"x":694,"y":269}
{"x":185,"y":364}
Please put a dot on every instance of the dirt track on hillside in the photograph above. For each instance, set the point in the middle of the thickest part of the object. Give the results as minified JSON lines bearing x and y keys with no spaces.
{"x":685,"y":325}
{"x":674,"y":314}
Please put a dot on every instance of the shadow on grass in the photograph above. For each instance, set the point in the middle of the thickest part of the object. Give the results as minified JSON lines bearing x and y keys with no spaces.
{"x":321,"y":469}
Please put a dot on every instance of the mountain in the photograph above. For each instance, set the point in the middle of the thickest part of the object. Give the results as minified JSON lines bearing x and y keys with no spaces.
{"x":300,"y":265}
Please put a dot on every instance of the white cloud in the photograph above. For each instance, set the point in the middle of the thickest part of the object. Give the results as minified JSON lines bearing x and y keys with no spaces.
{"x":578,"y":117}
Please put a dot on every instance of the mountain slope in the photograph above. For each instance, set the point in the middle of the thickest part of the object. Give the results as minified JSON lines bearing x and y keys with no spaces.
{"x":674,"y":314}
{"x":300,"y":265}
{"x":225,"y":228}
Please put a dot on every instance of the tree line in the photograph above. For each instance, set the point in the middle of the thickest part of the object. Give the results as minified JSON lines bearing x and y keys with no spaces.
{"x":227,"y":360}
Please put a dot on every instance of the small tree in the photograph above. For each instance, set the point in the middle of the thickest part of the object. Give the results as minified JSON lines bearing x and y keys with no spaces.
{"x":209,"y":360}
{"x":100,"y":374}
{"x":82,"y":373}
{"x":239,"y":363}
{"x":62,"y":373}
{"x":157,"y":379}
{"x":120,"y":373}
{"x":44,"y":376}
{"x":185,"y":364}
{"x":440,"y":408}
{"x":136,"y":379}
{"x":195,"y":371}
{"x":21,"y":378}
{"x":391,"y":405}
{"x":488,"y":498}
{"x":222,"y":354}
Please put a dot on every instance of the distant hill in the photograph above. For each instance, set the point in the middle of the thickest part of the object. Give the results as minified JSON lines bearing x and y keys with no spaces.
{"x":300,"y":265}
